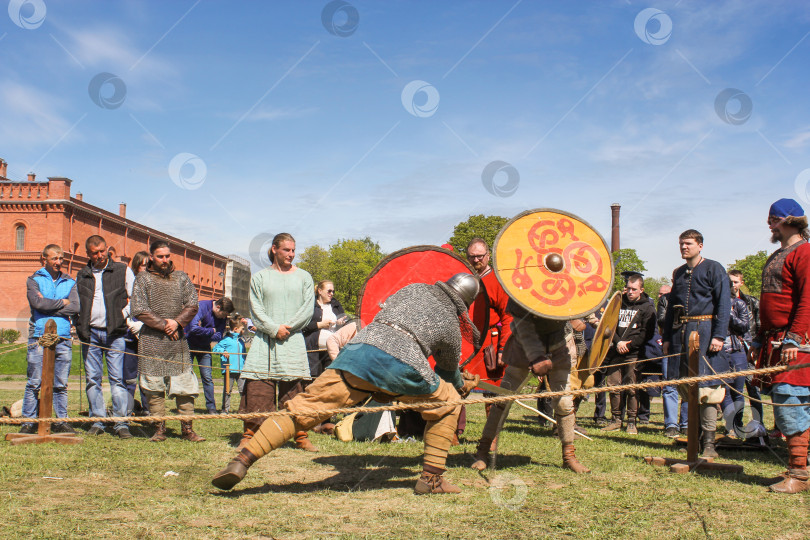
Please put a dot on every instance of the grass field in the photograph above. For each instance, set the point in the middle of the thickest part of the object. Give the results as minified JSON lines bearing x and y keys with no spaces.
{"x":107,"y":488}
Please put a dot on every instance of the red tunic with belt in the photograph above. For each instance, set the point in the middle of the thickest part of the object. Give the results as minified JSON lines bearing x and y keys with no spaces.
{"x":499,"y":324}
{"x":785,"y":309}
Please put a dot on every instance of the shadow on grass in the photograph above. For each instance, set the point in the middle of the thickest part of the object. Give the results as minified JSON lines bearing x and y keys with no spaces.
{"x":369,"y":473}
{"x":743,"y":478}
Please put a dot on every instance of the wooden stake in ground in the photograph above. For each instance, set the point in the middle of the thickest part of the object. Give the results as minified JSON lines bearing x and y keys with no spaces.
{"x":692,"y":461}
{"x":44,"y":434}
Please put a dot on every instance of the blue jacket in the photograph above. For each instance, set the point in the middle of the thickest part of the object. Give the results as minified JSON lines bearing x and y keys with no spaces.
{"x":232,"y":345}
{"x":204,"y":327}
{"x":50,"y":305}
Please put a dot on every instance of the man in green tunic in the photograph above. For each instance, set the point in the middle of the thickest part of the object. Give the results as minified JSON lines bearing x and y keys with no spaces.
{"x":281,"y":298}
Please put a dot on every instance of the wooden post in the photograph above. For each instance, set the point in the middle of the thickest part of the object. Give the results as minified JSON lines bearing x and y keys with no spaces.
{"x":227,"y":388}
{"x":45,"y":402}
{"x":692,"y":461}
{"x":693,"y":428}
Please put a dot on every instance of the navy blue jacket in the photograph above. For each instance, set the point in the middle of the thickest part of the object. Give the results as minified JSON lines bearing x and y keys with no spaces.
{"x":703,"y":290}
{"x":204,"y":328}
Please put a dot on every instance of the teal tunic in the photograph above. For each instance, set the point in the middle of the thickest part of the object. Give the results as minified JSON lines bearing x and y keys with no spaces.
{"x":277,"y":299}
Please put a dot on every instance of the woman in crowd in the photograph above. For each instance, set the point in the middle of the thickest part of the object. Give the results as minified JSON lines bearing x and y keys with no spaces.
{"x":326,"y":317}
{"x":138,"y":264}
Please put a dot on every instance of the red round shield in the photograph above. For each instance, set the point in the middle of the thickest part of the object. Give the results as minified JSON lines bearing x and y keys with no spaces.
{"x":416,"y":264}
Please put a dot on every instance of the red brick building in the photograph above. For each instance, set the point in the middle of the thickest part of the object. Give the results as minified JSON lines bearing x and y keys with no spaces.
{"x":34,"y":214}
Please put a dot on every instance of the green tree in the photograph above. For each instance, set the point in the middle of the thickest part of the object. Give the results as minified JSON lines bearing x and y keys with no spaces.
{"x":350,"y":263}
{"x":625,"y":260}
{"x":751,"y":268}
{"x":486,"y":227}
{"x":315,"y":260}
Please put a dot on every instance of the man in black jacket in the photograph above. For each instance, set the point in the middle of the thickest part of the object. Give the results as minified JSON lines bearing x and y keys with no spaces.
{"x":636,"y":327}
{"x":104,"y":289}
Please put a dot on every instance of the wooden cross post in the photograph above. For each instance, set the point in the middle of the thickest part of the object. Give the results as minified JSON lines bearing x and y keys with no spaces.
{"x":693,"y":461}
{"x":43,"y":433}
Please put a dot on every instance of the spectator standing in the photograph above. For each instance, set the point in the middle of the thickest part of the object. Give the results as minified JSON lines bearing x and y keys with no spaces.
{"x":675,"y":417}
{"x":52,"y":295}
{"x":137,"y":265}
{"x":232,"y":357}
{"x":104,"y":288}
{"x":700,"y":301}
{"x":735,"y":348}
{"x":208,"y":326}
{"x":165,"y":300}
{"x":281,"y":300}
{"x":636,"y":327}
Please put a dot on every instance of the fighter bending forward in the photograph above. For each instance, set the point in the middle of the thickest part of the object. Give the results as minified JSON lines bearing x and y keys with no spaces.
{"x":388,"y":358}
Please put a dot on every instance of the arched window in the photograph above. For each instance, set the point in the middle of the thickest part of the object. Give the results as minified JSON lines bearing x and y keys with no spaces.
{"x":20,"y":238}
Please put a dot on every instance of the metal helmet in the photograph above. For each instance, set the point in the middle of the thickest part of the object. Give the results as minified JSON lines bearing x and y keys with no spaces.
{"x":465,"y":285}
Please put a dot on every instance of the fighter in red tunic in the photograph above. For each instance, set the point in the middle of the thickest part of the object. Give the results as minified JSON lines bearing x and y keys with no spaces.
{"x":784,"y":336}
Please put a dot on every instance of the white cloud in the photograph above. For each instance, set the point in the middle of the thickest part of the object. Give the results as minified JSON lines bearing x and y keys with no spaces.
{"x":799,"y":140}
{"x":31,"y":115}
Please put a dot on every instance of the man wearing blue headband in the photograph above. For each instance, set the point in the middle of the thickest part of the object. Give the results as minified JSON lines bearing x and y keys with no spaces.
{"x":783,"y":336}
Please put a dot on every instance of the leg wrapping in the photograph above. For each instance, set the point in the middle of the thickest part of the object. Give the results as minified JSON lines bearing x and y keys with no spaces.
{"x":273,"y":433}
{"x":438,"y":439}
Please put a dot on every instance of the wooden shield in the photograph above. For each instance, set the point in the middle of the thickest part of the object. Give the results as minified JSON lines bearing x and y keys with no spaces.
{"x":416,"y":264}
{"x":553,"y":264}
{"x":582,"y":377}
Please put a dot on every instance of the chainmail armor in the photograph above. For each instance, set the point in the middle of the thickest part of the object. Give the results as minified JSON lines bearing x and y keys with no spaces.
{"x":415,"y":322}
{"x":165,"y":297}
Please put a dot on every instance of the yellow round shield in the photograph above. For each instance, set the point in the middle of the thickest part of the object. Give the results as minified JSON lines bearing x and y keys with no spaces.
{"x":553,"y":264}
{"x":582,"y":376}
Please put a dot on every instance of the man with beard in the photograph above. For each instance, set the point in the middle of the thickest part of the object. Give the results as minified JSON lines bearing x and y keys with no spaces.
{"x":784,"y":336}
{"x":165,"y":301}
{"x":700,"y":301}
{"x":389,"y":359}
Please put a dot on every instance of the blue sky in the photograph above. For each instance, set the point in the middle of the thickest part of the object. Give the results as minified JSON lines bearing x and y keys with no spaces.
{"x":223,"y":122}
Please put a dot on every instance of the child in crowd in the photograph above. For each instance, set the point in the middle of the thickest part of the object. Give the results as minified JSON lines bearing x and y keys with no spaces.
{"x":232,"y":358}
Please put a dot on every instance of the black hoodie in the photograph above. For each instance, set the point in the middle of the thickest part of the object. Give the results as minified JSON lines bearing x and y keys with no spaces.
{"x":636,"y":324}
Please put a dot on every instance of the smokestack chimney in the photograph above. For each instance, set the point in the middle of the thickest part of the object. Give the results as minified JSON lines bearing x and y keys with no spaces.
{"x":122,"y":210}
{"x":614,"y":227}
{"x":3,"y":167}
{"x":31,"y":177}
{"x":78,"y":196}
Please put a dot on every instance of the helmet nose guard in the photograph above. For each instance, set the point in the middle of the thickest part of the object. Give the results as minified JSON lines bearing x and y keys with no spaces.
{"x":466,"y":286}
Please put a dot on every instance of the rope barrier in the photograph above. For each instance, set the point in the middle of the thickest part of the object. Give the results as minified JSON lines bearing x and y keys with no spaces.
{"x":638,"y":361}
{"x":18,"y":348}
{"x":410,"y":406}
{"x":190,"y":362}
{"x":755,"y":400}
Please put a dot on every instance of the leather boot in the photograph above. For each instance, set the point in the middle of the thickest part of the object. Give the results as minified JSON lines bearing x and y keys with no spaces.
{"x":246,"y":436}
{"x":235,"y":471}
{"x":302,"y":441}
{"x":432,"y":481}
{"x":709,"y":450}
{"x":482,"y":454}
{"x":796,"y":481}
{"x":570,"y":460}
{"x":160,"y":433}
{"x":157,"y":407}
{"x":188,"y":433}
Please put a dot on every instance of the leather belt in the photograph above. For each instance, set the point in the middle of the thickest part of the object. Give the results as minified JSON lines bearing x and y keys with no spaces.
{"x":396,"y":327}
{"x":692,"y":318}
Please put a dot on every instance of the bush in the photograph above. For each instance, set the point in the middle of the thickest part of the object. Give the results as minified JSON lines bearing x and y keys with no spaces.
{"x":9,"y":335}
